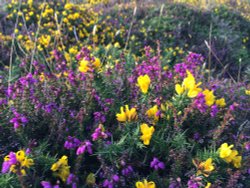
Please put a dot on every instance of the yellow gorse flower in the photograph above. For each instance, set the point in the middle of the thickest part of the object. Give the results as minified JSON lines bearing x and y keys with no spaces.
{"x":23,"y":159}
{"x":143,"y":82}
{"x":61,"y":168}
{"x":145,"y":184}
{"x":205,"y":167}
{"x":225,"y":150}
{"x":229,"y":155}
{"x":83,"y":66}
{"x":152,"y":113}
{"x":220,"y":102}
{"x":147,"y":133}
{"x":188,"y":85}
{"x":209,"y":97}
{"x":127,"y":115}
{"x":97,"y":63}
{"x":44,"y":40}
{"x":73,"y":50}
{"x":208,"y":185}
{"x":247,"y":92}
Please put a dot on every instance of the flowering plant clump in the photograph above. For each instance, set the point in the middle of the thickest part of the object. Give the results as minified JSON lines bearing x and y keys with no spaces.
{"x":61,"y":168}
{"x":99,"y":102}
{"x":17,"y":163}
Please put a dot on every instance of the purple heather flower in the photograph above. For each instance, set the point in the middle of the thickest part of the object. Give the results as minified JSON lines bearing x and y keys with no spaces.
{"x":181,"y":68}
{"x":156,"y":164}
{"x":116,"y":178}
{"x":99,"y":117}
{"x":214,"y":110}
{"x":195,"y":58}
{"x":174,"y":184}
{"x":18,"y":120}
{"x":127,"y":171}
{"x":71,"y":77}
{"x":72,"y":180}
{"x":3,"y":102}
{"x":9,"y":91}
{"x":107,"y":183}
{"x":71,"y":143}
{"x":47,"y":184}
{"x":98,"y":133}
{"x":22,"y":64}
{"x":214,"y":87}
{"x":49,"y":107}
{"x":247,"y":146}
{"x":191,"y":62}
{"x":200,"y":103}
{"x":194,"y":182}
{"x":85,"y":146}
{"x":232,"y":107}
{"x":56,"y":55}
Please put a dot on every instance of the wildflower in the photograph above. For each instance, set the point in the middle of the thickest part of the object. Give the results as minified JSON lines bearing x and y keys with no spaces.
{"x":117,"y":45}
{"x":145,"y":184}
{"x":18,"y":120}
{"x":225,"y":150}
{"x":237,"y":161}
{"x":72,"y":180}
{"x":99,"y":133}
{"x":189,"y":85}
{"x":110,"y":183}
{"x":116,"y":178}
{"x":127,"y":171}
{"x":45,"y":40}
{"x":147,"y":133}
{"x":71,"y":143}
{"x":156,"y":164}
{"x":97,"y":63}
{"x":153,"y":113}
{"x":214,"y":110}
{"x":247,"y":92}
{"x":194,"y":182}
{"x":87,"y":145}
{"x":16,"y":163}
{"x":99,"y":117}
{"x":200,"y":103}
{"x":205,"y":167}
{"x":247,"y":146}
{"x":209,"y":97}
{"x":220,"y":102}
{"x":127,"y":115}
{"x":143,"y":83}
{"x":179,"y":90}
{"x":42,"y":77}
{"x":47,"y":184}
{"x":208,"y":185}
{"x":61,"y":168}
{"x":83,"y":66}
{"x":229,"y":155}
{"x":73,"y":51}
{"x":30,"y":3}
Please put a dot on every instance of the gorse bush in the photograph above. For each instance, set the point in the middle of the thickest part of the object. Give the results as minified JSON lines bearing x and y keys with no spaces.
{"x":86,"y":102}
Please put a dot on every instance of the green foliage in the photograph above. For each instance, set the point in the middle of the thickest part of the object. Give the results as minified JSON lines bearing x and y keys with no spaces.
{"x":9,"y":181}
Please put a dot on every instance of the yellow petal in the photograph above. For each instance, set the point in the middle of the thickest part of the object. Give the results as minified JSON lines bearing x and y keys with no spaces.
{"x":139,"y":185}
{"x":179,"y":90}
{"x":151,"y":185}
